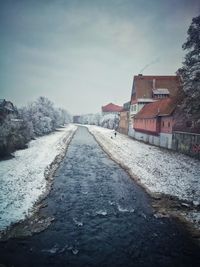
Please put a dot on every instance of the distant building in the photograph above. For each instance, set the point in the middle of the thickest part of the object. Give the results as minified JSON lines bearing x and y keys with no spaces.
{"x":124,"y":118}
{"x":111,"y":109}
{"x":6,"y":108}
{"x":76,"y":119}
{"x":148,"y":89}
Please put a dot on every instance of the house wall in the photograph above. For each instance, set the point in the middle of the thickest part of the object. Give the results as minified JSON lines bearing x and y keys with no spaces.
{"x":149,"y":131}
{"x":186,"y":143}
{"x":148,"y":125}
{"x":124,"y":122}
{"x":166,"y":124}
{"x":136,"y":107}
{"x":110,"y":112}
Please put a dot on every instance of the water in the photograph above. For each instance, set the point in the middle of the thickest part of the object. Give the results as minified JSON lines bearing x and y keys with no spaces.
{"x":102,"y":218}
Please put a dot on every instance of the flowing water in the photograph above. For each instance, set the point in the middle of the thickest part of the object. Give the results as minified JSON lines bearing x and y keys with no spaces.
{"x":102,"y":218}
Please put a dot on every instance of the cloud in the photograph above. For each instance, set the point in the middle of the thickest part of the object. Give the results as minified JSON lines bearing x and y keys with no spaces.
{"x":83,"y":54}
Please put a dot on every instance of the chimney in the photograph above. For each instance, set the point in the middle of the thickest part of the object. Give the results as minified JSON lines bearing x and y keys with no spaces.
{"x":154,"y":83}
{"x":139,"y":74}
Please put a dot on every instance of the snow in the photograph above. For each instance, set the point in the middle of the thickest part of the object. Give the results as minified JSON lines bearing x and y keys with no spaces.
{"x":22,"y":179}
{"x":110,"y":120}
{"x":158,"y":170}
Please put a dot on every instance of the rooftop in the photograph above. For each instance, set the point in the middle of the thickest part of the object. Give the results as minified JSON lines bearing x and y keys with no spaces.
{"x":144,"y":84}
{"x":163,"y":107}
{"x":111,"y":108}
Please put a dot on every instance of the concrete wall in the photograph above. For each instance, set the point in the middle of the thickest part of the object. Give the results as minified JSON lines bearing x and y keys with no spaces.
{"x":187,"y":143}
{"x":131,"y":131}
{"x":162,"y":140}
{"x":151,"y":139}
{"x":166,"y":140}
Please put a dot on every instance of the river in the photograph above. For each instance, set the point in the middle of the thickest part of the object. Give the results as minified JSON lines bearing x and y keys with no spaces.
{"x":102,"y":218}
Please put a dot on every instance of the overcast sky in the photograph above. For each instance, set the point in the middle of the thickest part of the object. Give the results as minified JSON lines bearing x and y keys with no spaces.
{"x":83,"y":54}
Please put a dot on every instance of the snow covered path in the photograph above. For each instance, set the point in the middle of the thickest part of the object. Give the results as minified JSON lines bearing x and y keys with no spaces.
{"x":158,"y":170}
{"x":22,"y":179}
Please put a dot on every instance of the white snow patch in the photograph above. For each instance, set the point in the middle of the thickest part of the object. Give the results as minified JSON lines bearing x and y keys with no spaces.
{"x":22,"y":179}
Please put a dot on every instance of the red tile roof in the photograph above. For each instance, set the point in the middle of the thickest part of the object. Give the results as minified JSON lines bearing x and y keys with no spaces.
{"x":144,"y":84}
{"x":163,"y":107}
{"x":111,"y":108}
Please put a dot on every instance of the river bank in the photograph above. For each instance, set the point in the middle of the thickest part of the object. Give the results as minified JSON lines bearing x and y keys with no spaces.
{"x":171,"y":179}
{"x":27,"y":178}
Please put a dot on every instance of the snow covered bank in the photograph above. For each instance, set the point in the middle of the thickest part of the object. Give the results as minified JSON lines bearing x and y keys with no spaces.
{"x":22,"y":179}
{"x":159,"y":170}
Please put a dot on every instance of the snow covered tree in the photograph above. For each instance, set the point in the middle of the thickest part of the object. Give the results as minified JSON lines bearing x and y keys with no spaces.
{"x":12,"y":135}
{"x":110,"y":121}
{"x":92,"y":119}
{"x":190,"y":71}
{"x":44,"y":116}
{"x":38,"y":118}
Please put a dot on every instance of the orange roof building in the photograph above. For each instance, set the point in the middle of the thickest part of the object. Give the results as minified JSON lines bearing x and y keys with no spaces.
{"x":147,"y":87}
{"x":111,"y":108}
{"x":155,"y":118}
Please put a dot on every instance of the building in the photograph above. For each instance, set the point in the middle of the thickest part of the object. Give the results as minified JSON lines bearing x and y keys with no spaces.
{"x":154,"y":122}
{"x":76,"y":119}
{"x":124,"y":119}
{"x":148,"y":89}
{"x":111,"y":109}
{"x":6,"y":108}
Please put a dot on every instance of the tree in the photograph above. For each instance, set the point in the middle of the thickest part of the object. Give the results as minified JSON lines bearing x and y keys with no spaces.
{"x":190,"y":71}
{"x":38,"y":118}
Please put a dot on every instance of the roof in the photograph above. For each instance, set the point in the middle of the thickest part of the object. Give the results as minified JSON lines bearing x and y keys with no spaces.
{"x":144,"y":84}
{"x":163,"y":107}
{"x":111,"y":108}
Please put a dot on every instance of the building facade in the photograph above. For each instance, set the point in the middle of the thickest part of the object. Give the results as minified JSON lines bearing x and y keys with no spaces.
{"x":154,"y":123}
{"x":149,"y":89}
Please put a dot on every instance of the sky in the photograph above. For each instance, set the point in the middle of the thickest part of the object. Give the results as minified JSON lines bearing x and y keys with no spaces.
{"x":83,"y":54}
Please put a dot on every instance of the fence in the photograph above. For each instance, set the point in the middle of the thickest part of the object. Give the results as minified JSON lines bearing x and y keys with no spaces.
{"x":187,"y":143}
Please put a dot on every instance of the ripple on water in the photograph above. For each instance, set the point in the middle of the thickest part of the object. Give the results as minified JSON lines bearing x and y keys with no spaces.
{"x":121,"y":209}
{"x":59,"y":250}
{"x":101,"y":212}
{"x":78,"y":223}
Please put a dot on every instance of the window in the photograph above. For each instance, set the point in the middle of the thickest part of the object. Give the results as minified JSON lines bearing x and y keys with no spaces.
{"x":168,"y":124}
{"x":163,"y":124}
{"x":188,"y":123}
